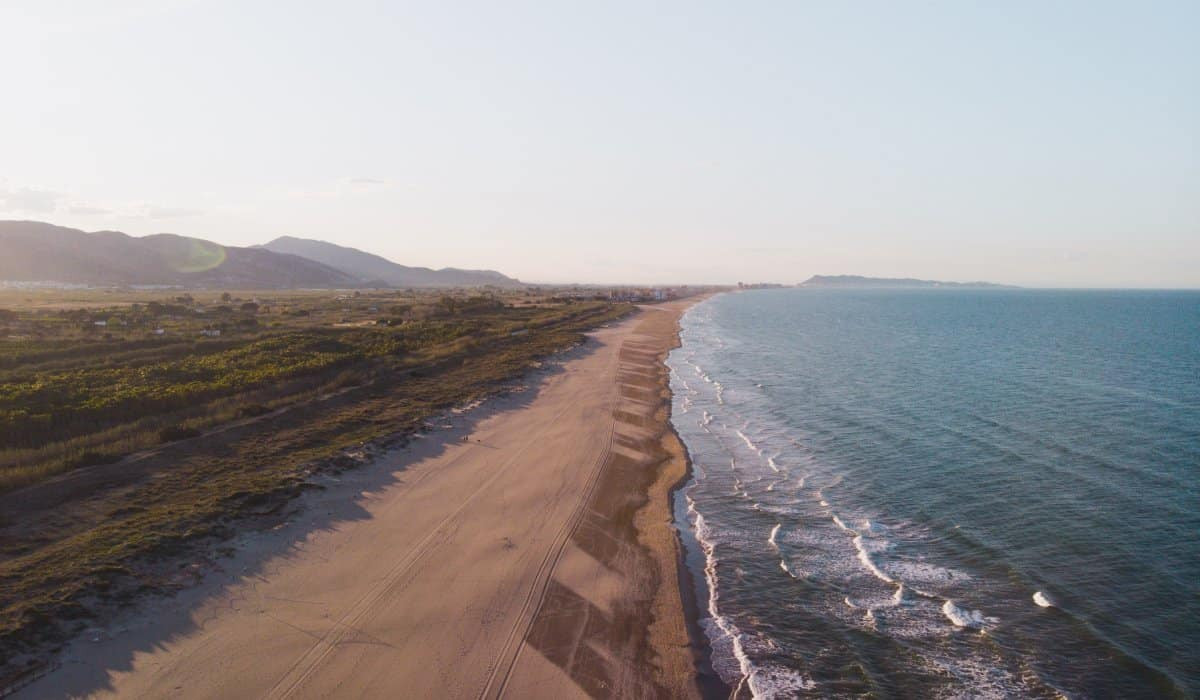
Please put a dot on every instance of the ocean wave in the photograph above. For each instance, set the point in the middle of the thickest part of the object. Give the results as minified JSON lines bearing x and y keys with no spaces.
{"x":777,"y":682}
{"x":961,"y":617}
{"x":725,"y":634}
{"x":926,"y":574}
{"x":872,"y":528}
{"x":1042,"y":600}
{"x":864,"y":556}
{"x":746,"y":440}
{"x":775,"y":533}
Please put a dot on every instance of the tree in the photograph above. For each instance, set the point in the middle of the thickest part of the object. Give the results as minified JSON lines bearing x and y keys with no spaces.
{"x":226,"y":297}
{"x":250,"y":307}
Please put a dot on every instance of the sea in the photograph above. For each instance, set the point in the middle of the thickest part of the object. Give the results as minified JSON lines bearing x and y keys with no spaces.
{"x":944,"y":493}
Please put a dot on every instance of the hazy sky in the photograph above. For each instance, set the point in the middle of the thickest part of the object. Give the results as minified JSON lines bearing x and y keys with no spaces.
{"x":1039,"y":143}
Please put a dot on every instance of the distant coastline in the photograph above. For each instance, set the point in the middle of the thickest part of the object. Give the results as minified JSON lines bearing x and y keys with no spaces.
{"x":860,"y":282}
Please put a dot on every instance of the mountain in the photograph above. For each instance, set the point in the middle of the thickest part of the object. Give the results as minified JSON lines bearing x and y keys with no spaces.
{"x":373,"y":268}
{"x":858,"y":282}
{"x":40,"y":252}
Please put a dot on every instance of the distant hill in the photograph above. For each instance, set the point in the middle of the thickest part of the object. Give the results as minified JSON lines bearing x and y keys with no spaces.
{"x":372,"y":268}
{"x":858,"y":282}
{"x":38,"y":252}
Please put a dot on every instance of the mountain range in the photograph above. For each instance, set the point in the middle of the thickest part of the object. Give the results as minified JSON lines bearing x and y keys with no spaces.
{"x":859,"y":282}
{"x":32,"y":251}
{"x":380,"y":271}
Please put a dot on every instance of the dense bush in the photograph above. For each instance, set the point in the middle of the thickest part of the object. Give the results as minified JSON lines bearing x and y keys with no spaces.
{"x":175,"y":432}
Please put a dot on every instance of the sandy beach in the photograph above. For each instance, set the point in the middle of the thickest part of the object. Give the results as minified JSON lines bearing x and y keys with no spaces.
{"x":522,"y":548}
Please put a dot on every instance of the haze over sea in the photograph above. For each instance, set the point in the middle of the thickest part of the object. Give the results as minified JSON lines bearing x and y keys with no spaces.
{"x":935,"y":493}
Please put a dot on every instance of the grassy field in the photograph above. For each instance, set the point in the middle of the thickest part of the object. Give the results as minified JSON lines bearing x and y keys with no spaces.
{"x":123,"y":443}
{"x":74,"y":393}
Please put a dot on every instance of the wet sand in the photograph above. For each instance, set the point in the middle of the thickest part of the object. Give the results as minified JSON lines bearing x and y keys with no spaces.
{"x":523,"y":549}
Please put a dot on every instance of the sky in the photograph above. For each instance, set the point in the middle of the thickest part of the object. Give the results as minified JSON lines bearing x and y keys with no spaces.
{"x":1033,"y":143}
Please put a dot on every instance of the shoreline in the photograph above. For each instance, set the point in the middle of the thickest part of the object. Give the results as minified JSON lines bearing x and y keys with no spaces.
{"x":628,"y":598}
{"x":708,"y":682}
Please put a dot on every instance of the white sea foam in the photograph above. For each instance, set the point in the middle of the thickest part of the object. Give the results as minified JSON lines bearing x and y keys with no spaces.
{"x":739,"y":489}
{"x":927,"y":574}
{"x":1042,"y":600}
{"x":774,"y":533}
{"x":728,"y":632}
{"x":773,"y":464}
{"x":766,"y":681}
{"x":961,"y":617}
{"x":838,"y":521}
{"x":872,"y":528}
{"x":769,"y":682}
{"x":746,"y":440}
{"x":865,"y":557}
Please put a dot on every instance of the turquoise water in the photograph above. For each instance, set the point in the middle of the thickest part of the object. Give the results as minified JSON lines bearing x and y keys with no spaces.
{"x":945,"y":493}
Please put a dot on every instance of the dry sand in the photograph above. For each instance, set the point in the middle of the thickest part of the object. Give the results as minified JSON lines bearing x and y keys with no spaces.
{"x":523,"y":549}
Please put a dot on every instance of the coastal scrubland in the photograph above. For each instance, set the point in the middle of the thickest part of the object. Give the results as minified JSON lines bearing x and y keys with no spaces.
{"x":135,"y":424}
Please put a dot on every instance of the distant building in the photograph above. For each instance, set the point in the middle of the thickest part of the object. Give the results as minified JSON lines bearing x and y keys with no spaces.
{"x":211,"y":332}
{"x":102,"y":324}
